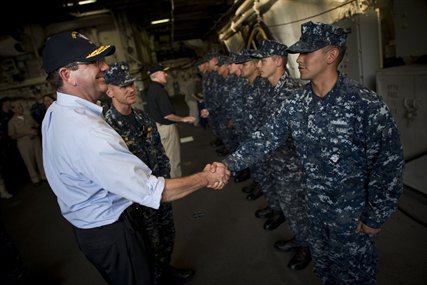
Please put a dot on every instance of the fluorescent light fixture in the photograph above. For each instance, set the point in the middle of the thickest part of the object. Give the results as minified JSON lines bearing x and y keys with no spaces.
{"x":159,"y":21}
{"x":90,"y":13}
{"x":84,"y":2}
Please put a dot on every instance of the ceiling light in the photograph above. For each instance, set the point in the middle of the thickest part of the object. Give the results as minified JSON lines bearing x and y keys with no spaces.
{"x":84,"y":2}
{"x":159,"y":21}
{"x":90,"y":13}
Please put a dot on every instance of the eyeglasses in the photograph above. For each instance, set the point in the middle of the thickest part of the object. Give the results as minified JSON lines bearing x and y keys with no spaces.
{"x":97,"y":62}
{"x":74,"y":65}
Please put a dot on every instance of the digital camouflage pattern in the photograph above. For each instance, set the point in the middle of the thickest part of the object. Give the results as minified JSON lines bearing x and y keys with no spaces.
{"x":235,"y":105}
{"x":143,"y":140}
{"x":270,"y":48}
{"x":352,"y":163}
{"x":285,"y":170}
{"x":315,"y":36}
{"x":209,"y":85}
{"x":118,"y":74}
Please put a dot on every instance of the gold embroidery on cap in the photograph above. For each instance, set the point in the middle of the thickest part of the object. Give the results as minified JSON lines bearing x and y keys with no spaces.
{"x":98,"y":51}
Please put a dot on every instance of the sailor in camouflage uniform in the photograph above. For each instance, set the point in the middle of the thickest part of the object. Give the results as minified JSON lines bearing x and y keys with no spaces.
{"x":225,"y":85}
{"x":236,"y":95}
{"x":140,"y":134}
{"x":209,"y":86}
{"x":285,"y":170}
{"x":255,"y":116}
{"x":351,"y":157}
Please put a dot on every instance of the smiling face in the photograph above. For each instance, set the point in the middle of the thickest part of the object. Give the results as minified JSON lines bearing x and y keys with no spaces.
{"x":84,"y":79}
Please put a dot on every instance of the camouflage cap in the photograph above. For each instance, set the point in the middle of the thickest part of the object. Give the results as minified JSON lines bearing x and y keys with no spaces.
{"x":223,"y":59}
{"x":200,"y":61}
{"x":270,"y":48}
{"x":245,"y":55}
{"x":315,"y":36}
{"x":210,"y":55}
{"x":119,"y":74}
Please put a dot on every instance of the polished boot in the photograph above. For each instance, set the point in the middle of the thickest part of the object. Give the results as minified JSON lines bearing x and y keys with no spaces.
{"x":255,"y":194}
{"x":250,"y":188}
{"x":274,"y":222}
{"x":173,"y":275}
{"x":264,"y":213}
{"x":301,"y":259}
{"x":286,"y":245}
{"x":242,"y":175}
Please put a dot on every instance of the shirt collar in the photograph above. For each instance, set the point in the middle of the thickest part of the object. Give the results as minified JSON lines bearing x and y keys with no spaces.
{"x":74,"y":101}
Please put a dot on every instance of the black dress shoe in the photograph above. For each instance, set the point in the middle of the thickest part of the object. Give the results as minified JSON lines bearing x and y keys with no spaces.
{"x":274,"y":222}
{"x":264,"y":213}
{"x":301,"y":259}
{"x":254,"y":195}
{"x":173,"y":275}
{"x":286,"y":245}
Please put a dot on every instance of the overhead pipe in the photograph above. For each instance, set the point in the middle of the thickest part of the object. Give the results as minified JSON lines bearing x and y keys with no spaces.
{"x":244,"y":13}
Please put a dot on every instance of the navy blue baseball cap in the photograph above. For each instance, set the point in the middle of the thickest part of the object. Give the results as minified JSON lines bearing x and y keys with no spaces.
{"x":315,"y":36}
{"x":156,"y":67}
{"x":68,"y":47}
{"x":118,"y":74}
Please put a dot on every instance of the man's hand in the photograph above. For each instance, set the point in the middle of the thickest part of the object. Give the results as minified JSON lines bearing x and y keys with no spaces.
{"x":188,"y":119}
{"x":362,"y":228}
{"x":217,"y":175}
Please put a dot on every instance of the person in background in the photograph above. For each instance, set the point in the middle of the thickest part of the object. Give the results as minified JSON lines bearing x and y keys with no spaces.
{"x":25,"y":130}
{"x":161,"y":110}
{"x":350,"y":153}
{"x":5,"y":144}
{"x":98,"y":182}
{"x":192,"y":100}
{"x":140,"y":134}
{"x":38,"y":108}
{"x":48,"y":100}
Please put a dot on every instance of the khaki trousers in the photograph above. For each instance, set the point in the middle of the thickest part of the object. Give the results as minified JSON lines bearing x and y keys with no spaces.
{"x":31,"y":152}
{"x":170,"y":140}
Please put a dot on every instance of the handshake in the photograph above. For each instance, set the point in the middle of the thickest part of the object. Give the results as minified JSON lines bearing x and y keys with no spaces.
{"x":217,"y":175}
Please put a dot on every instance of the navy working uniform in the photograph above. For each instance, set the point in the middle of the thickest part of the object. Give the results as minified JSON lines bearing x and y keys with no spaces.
{"x":284,"y":162}
{"x":140,"y":134}
{"x":352,"y":162}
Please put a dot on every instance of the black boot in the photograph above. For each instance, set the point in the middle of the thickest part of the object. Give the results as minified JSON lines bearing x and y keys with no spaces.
{"x":264,"y":213}
{"x":174,"y":276}
{"x":255,"y":194}
{"x":301,"y":259}
{"x":274,"y":222}
{"x":250,"y":188}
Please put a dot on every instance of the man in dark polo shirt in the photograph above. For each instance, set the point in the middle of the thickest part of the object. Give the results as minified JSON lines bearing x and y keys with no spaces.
{"x":162,"y":111}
